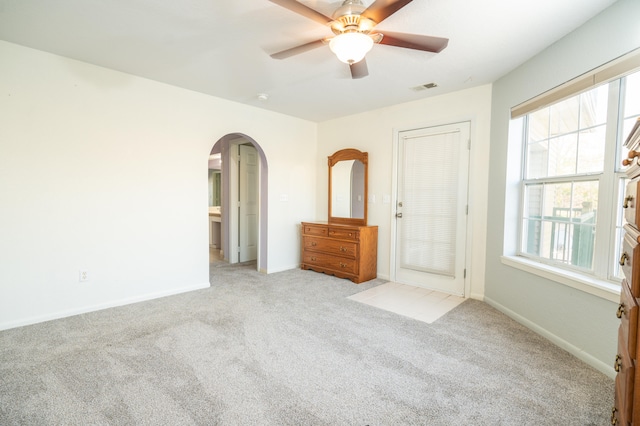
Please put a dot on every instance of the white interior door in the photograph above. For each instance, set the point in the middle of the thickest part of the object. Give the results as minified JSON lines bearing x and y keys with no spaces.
{"x":431,"y":207}
{"x":248,"y":207}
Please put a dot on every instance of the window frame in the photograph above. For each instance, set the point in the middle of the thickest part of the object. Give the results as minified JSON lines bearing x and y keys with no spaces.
{"x":606,"y":286}
{"x":604,"y":279}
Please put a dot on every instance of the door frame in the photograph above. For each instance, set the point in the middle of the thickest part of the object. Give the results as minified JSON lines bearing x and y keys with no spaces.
{"x":394,"y":198}
{"x":226,"y":142}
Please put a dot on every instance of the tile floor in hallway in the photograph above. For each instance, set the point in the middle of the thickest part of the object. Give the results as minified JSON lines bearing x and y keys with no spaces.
{"x":414,"y":302}
{"x":215,"y":255}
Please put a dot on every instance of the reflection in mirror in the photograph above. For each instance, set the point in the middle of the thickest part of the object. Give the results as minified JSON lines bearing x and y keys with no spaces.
{"x":214,"y":187}
{"x":348,"y":189}
{"x":357,"y":190}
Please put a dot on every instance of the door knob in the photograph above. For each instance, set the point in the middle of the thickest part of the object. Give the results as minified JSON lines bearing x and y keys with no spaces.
{"x":398,"y":214}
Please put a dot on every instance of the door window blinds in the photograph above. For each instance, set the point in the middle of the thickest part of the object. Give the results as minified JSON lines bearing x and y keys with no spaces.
{"x":430,"y":181}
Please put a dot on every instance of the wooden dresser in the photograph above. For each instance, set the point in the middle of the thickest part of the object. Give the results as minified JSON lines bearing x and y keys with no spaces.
{"x":627,"y":385}
{"x":346,"y":251}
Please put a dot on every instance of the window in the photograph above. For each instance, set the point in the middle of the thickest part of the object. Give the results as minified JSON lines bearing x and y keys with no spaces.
{"x":572,"y":181}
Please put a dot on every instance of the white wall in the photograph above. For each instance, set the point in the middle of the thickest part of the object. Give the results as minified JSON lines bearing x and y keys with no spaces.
{"x":373,"y":132}
{"x":104,"y":171}
{"x":581,"y":323}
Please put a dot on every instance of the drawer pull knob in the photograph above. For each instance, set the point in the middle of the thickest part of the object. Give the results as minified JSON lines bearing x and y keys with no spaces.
{"x":313,"y":258}
{"x":614,"y":419}
{"x":620,"y":310}
{"x":343,"y":249}
{"x":623,"y":259}
{"x":617,"y":364}
{"x":343,"y":265}
{"x":313,"y":243}
{"x":627,"y":199}
{"x":632,"y":154}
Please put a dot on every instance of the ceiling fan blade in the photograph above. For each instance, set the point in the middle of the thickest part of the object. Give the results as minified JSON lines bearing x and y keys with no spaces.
{"x":298,"y":49}
{"x":359,"y":69}
{"x":303,"y":10}
{"x":414,"y":41}
{"x":382,"y":9}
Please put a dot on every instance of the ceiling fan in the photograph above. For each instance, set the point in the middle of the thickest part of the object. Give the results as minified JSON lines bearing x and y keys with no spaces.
{"x":353,"y":24}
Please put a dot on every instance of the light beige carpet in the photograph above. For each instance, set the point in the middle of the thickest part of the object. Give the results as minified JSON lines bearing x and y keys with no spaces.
{"x":291,"y":349}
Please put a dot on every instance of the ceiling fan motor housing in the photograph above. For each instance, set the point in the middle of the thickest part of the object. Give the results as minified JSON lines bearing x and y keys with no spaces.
{"x":349,"y":7}
{"x":348,"y":18}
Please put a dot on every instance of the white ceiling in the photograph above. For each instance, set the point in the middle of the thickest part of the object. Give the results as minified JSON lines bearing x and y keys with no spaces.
{"x":222,"y":47}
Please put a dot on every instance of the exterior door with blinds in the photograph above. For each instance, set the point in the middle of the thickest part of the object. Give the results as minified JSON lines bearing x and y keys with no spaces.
{"x":431,"y":207}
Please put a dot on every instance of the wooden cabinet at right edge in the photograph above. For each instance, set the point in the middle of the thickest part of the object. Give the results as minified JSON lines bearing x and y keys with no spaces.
{"x":626,"y":410}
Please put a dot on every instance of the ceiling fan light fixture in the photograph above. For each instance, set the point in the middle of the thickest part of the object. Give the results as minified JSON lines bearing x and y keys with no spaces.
{"x":351,"y":47}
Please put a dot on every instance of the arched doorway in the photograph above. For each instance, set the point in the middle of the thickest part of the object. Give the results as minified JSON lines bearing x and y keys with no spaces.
{"x":227,"y":147}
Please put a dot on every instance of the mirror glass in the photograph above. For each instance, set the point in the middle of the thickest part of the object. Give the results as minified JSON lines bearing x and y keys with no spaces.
{"x":348,"y":187}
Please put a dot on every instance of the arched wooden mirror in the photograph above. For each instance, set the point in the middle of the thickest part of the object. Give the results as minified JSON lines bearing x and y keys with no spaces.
{"x":348,"y":184}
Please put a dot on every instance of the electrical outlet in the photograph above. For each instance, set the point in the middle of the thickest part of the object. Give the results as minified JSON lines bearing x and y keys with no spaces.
{"x":83,"y":275}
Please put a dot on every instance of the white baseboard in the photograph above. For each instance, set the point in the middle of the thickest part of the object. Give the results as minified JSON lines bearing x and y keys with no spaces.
{"x":477,"y":296}
{"x":281,"y":269}
{"x":297,"y":266}
{"x":572,"y":349}
{"x":99,"y":307}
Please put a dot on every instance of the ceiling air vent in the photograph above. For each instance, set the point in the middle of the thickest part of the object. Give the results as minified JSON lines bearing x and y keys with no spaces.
{"x":424,"y":87}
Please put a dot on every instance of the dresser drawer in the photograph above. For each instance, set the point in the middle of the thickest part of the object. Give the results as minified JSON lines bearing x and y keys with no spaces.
{"x":341,"y":248}
{"x":628,"y":314}
{"x":328,"y":261}
{"x":619,"y":413}
{"x":318,"y":230}
{"x":630,"y":253}
{"x":630,"y":203}
{"x":625,"y":378}
{"x":618,"y":416}
{"x":347,"y":234}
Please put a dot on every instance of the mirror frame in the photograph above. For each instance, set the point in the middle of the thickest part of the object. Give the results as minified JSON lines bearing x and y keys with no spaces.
{"x":346,"y":155}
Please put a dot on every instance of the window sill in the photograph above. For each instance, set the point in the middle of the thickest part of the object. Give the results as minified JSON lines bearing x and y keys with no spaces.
{"x":604,"y":289}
